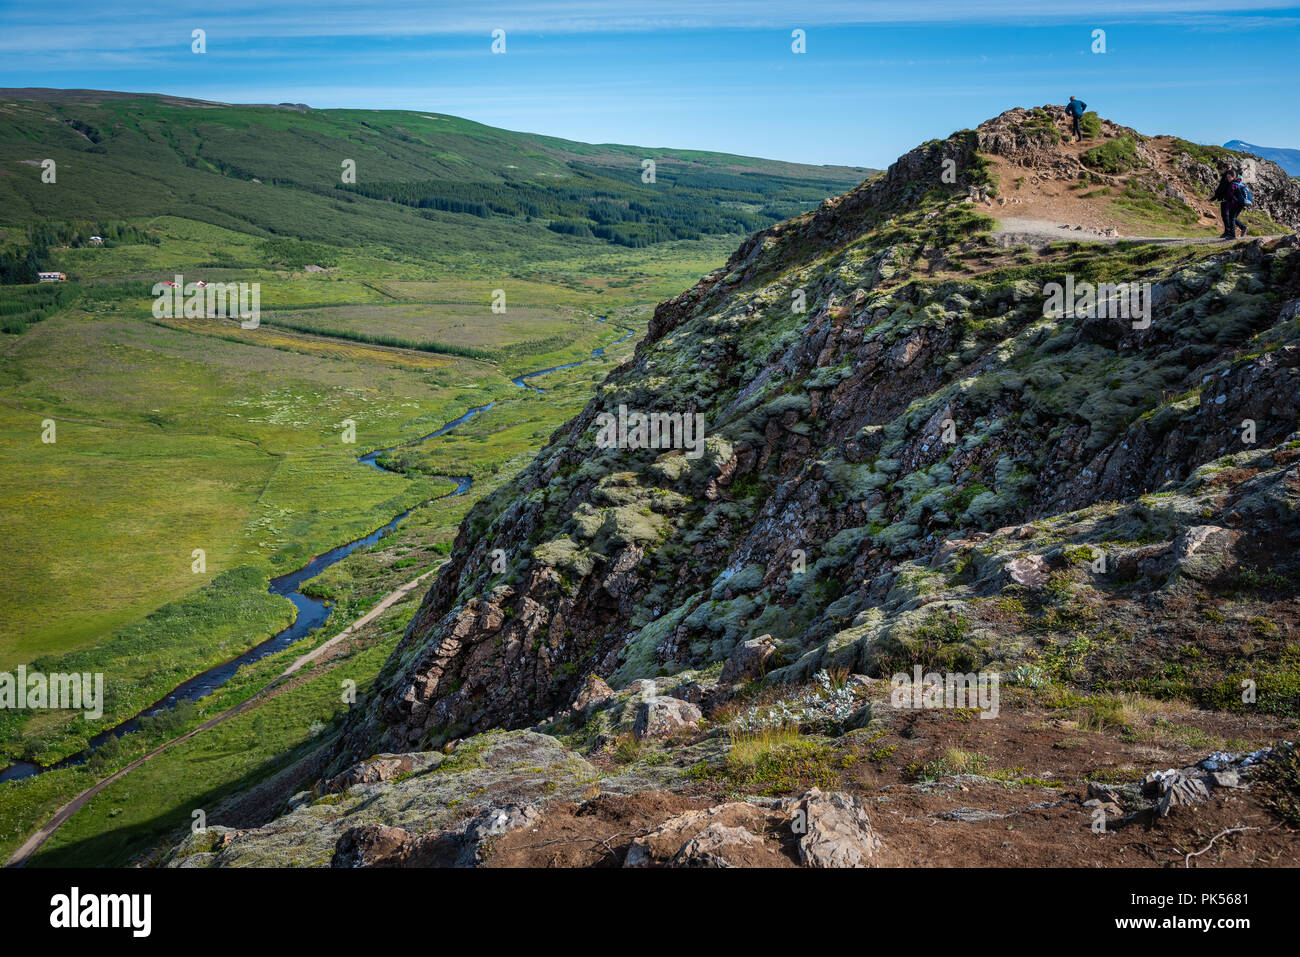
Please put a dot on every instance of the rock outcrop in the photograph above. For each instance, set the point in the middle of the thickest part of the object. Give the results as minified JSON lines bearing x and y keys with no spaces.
{"x":869,"y":398}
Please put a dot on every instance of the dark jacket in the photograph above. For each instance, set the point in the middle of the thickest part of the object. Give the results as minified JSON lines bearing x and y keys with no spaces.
{"x":1076,"y":107}
{"x":1224,"y":192}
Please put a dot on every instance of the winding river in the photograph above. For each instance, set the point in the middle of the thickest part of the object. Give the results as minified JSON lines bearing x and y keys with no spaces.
{"x":311,"y":613}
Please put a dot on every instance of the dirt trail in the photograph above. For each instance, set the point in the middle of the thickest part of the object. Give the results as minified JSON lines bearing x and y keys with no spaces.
{"x":1016,"y":231}
{"x":33,"y":843}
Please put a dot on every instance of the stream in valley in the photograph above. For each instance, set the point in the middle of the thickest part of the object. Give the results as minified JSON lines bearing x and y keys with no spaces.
{"x":311,"y":612}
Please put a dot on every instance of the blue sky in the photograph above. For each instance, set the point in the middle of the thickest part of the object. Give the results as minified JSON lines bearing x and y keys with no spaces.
{"x":877,"y":78}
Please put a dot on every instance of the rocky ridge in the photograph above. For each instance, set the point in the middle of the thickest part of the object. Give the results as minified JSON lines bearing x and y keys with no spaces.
{"x":908,"y":462}
{"x":825,"y":440}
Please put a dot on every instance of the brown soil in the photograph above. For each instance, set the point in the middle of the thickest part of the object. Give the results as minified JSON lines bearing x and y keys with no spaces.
{"x":595,"y":833}
{"x":1003,"y":815}
{"x":911,"y":822}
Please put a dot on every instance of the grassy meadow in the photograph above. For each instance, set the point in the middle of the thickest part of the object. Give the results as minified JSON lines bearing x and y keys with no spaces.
{"x":150,"y":808}
{"x":193,"y":433}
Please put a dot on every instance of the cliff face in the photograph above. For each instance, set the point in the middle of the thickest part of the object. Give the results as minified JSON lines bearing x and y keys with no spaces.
{"x":890,"y":421}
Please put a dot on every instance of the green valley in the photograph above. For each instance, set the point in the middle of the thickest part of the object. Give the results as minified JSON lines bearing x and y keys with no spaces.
{"x":158,"y":472}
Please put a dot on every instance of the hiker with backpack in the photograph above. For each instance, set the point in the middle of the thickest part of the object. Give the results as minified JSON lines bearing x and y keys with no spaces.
{"x":1242,"y":199}
{"x":1233,"y":196}
{"x":1075,"y":108}
{"x":1223,"y":196}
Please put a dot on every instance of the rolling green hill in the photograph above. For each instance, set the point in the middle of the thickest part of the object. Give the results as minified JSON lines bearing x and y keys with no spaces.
{"x":427,"y":185}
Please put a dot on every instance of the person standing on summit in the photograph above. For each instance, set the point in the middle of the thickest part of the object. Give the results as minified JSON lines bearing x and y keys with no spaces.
{"x":1076,"y":108}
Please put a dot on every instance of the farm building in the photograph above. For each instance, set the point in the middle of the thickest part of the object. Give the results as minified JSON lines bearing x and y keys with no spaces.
{"x":52,"y":277}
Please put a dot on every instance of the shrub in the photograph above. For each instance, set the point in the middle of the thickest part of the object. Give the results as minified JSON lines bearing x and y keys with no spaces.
{"x":1113,"y":156}
{"x":778,"y":761}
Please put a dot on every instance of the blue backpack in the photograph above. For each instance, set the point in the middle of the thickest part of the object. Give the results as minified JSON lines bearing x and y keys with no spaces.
{"x":1244,"y":195}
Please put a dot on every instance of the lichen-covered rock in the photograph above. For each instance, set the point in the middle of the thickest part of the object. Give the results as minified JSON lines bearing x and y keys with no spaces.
{"x":727,"y":835}
{"x":834,"y":831}
{"x":378,"y":845}
{"x":593,"y":693}
{"x":1204,"y":552}
{"x":712,"y":846}
{"x":382,"y":767}
{"x":1028,"y":570}
{"x":749,"y":660}
{"x":461,"y":800}
{"x":373,"y":845}
{"x":662,"y":716}
{"x":1178,"y":790}
{"x":1196,"y":784}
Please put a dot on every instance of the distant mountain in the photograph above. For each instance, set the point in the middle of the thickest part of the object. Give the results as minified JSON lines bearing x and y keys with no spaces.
{"x":1289,"y":160}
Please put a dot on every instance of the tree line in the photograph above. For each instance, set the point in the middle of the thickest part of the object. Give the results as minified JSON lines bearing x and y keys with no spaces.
{"x":614,"y":205}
